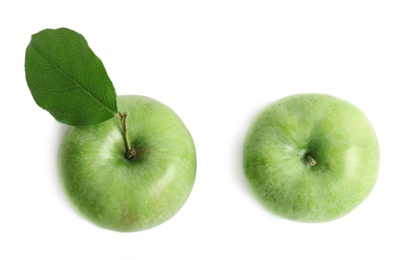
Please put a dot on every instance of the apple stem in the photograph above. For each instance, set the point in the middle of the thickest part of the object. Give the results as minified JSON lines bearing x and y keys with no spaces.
{"x":310,"y":159}
{"x":130,"y":151}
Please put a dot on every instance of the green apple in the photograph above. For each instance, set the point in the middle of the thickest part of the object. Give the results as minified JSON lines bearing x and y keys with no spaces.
{"x":124,"y":194}
{"x":311,"y":157}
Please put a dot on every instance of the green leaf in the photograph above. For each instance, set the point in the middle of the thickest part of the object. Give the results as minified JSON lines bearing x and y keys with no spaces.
{"x":67,"y":79}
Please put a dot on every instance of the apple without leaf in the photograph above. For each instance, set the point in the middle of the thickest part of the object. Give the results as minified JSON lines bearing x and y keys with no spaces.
{"x":311,"y":157}
{"x":124,"y":194}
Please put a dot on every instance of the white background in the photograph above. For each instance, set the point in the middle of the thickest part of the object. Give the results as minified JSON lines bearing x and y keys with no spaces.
{"x":215,"y":63}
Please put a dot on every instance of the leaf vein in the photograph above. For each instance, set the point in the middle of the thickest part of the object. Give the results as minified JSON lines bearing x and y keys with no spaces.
{"x":58,"y":110}
{"x":51,"y":90}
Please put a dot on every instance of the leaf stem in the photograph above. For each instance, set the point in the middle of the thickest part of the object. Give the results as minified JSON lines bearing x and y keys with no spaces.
{"x":130,"y":151}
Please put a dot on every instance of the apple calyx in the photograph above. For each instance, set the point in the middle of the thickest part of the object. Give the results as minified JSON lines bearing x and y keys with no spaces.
{"x":131,"y":152}
{"x":310,"y":160}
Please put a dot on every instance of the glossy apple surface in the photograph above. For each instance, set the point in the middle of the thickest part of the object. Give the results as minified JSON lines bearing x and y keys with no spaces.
{"x":311,"y":157}
{"x":129,"y":195}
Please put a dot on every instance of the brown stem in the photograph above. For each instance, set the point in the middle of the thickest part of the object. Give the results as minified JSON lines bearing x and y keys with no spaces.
{"x":130,"y":151}
{"x":310,"y":160}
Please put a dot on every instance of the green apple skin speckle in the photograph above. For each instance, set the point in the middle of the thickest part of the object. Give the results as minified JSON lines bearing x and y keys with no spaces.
{"x":129,"y":195}
{"x":335,"y":133}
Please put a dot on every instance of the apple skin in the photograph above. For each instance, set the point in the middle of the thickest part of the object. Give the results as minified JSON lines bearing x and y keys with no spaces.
{"x":129,"y":195}
{"x":337,"y":135}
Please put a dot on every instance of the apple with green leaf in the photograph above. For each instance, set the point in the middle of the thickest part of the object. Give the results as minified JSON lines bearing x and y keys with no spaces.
{"x":125,"y":171}
{"x":311,"y":157}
